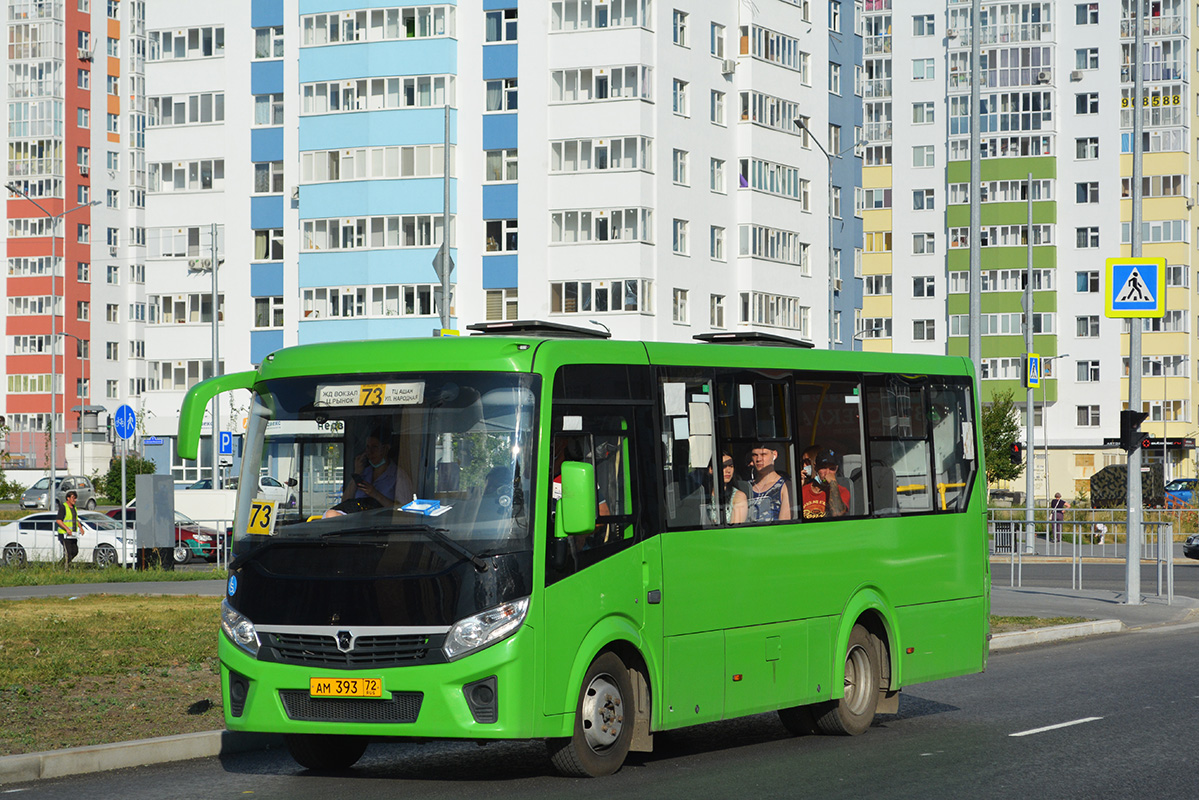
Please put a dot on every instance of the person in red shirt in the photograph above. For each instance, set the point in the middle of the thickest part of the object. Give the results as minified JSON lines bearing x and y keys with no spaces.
{"x":823,"y":496}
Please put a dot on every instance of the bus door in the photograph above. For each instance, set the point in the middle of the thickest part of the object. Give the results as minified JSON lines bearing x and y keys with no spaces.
{"x":602,"y":578}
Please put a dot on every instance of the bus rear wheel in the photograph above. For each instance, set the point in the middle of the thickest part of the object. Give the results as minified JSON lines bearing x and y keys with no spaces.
{"x":325,"y":752}
{"x":853,"y":713}
{"x":604,"y":719}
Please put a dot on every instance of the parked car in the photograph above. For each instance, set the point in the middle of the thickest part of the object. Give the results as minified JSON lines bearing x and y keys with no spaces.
{"x":35,"y":496}
{"x":1190,"y":548}
{"x":1180,"y":492}
{"x":192,"y":540}
{"x":268,"y":489}
{"x":34,"y":538}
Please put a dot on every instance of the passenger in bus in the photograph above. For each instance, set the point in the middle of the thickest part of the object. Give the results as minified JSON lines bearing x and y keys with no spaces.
{"x":376,"y":481}
{"x":824,"y":496}
{"x":734,"y":505}
{"x":809,"y":464}
{"x":771,"y":499}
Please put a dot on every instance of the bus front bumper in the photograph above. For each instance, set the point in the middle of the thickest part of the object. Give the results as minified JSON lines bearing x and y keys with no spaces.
{"x":421,"y":701}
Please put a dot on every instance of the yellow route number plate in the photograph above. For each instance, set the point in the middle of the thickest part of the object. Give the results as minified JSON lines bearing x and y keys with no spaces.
{"x":345,"y":687}
{"x":262,"y":518}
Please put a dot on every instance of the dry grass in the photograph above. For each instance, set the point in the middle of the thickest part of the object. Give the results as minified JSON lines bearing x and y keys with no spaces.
{"x":104,"y":668}
{"x":1008,"y":624}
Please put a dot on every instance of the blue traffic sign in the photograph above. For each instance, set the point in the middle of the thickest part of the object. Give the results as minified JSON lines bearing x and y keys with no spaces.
{"x":1135,"y":287}
{"x":226,"y":444}
{"x":1032,"y":371}
{"x":125,"y":422}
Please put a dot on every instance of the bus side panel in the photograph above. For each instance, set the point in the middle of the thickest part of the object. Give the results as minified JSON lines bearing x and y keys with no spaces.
{"x":693,"y":689}
{"x":940,"y":633}
{"x":765,"y":667}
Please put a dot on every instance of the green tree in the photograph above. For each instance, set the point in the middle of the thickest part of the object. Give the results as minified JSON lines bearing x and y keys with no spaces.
{"x":1001,"y":430}
{"x":110,"y":484}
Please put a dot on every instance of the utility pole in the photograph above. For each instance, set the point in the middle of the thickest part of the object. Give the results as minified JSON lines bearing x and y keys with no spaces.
{"x":976,"y":342}
{"x":1030,"y":530}
{"x":216,"y":403}
{"x":445,"y":265}
{"x":1132,"y":567}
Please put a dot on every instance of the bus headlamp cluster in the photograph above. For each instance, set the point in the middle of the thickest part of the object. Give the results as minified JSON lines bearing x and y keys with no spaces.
{"x":485,"y":628}
{"x":239,"y":629}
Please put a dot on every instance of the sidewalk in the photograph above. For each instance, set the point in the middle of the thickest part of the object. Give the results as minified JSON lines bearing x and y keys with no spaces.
{"x":1106,"y":609}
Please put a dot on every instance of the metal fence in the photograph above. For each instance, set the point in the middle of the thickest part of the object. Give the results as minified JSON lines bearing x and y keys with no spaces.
{"x":1087,"y":535}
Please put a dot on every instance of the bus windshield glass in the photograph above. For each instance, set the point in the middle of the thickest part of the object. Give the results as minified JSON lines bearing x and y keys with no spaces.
{"x":442,"y":455}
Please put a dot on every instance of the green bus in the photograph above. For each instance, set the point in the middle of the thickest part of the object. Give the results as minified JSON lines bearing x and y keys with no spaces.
{"x":539,"y":532}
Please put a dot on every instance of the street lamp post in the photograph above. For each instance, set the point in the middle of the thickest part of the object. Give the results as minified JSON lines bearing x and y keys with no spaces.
{"x":52,"y":491}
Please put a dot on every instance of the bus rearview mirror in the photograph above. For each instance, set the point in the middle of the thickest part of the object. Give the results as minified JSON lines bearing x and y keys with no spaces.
{"x":576,"y":509}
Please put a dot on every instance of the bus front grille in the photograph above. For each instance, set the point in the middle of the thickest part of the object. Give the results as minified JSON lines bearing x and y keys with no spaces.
{"x":370,"y":652}
{"x":402,"y":707}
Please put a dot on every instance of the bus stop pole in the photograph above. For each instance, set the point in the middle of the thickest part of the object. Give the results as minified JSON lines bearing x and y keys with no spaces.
{"x":1030,"y":528}
{"x":1132,"y":571}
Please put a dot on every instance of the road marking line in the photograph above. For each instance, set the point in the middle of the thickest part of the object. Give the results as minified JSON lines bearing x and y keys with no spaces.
{"x":1055,"y":727}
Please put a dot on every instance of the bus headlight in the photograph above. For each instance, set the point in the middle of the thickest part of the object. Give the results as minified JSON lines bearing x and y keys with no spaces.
{"x":485,"y":628}
{"x":239,"y":629}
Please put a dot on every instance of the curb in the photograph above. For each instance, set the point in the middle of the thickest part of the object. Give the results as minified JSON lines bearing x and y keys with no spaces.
{"x":103,"y":757}
{"x":1003,"y":641}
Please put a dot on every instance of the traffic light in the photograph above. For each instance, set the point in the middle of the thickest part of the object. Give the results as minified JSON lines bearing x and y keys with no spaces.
{"x":1017,"y":453}
{"x":1130,"y":435}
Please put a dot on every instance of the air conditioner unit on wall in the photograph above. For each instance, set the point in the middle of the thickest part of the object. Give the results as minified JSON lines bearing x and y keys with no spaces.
{"x":836,"y":284}
{"x":1076,"y":75}
{"x":85,"y":170}
{"x":951,"y":34}
{"x":728,"y":66}
{"x":84,"y":54}
{"x":1043,"y":77}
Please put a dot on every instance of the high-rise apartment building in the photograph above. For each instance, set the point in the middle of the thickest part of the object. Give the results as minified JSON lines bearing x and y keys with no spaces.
{"x":661,"y":170}
{"x":1056,"y":131}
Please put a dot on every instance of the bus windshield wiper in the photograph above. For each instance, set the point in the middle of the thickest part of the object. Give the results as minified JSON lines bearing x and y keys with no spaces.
{"x":440,"y":535}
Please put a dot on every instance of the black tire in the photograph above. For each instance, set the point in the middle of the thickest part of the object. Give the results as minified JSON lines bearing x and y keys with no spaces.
{"x":14,"y":556}
{"x":182,"y":554}
{"x":104,"y":555}
{"x":852,"y":714}
{"x":604,"y":721}
{"x":798,"y":720}
{"x":326,"y":752}
{"x":90,"y":505}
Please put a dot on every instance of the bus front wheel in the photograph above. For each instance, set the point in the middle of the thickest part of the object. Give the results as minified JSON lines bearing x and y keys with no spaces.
{"x":853,"y":713}
{"x":325,"y":752}
{"x":604,"y":720}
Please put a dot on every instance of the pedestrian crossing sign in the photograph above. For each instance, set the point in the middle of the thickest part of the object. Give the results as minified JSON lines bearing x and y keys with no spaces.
{"x":1135,"y":287}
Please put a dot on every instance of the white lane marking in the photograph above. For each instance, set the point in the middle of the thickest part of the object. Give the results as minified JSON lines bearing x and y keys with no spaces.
{"x":1055,"y":727}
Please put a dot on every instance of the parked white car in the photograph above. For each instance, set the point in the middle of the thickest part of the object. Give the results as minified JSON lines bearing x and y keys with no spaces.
{"x":34,"y":538}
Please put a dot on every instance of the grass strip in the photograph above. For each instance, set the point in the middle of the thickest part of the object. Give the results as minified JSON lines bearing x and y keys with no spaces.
{"x":44,"y":573}
{"x":1001,"y":624}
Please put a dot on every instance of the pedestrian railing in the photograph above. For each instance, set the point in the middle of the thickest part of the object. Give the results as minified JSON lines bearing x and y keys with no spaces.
{"x":1086,"y":535}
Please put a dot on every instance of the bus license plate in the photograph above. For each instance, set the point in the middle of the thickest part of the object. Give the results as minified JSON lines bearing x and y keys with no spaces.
{"x":345,"y":687}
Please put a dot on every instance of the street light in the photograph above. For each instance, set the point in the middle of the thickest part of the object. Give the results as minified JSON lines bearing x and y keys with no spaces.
{"x":1045,"y":418}
{"x":51,"y":494}
{"x":829,"y":157}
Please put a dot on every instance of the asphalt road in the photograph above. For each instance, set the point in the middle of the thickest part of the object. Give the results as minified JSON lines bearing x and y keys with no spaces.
{"x":1130,"y":697}
{"x":1108,"y":576}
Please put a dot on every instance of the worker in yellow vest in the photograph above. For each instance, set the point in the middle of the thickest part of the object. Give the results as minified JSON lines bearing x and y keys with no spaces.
{"x":68,"y":527}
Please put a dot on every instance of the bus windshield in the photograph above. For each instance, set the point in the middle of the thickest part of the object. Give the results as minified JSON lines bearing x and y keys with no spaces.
{"x":444,"y":456}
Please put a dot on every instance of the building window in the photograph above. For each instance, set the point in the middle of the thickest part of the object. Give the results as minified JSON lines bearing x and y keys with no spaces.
{"x":84,"y":118}
{"x":923,"y":200}
{"x":679,"y":306}
{"x":268,"y":109}
{"x":501,"y":304}
{"x":716,"y":243}
{"x":924,"y":69}
{"x":834,"y":78}
{"x":834,"y":202}
{"x":679,"y":97}
{"x":1086,"y":58}
{"x":1086,"y":103}
{"x":923,"y":244}
{"x":194,"y":109}
{"x":268,"y":43}
{"x":924,"y":156}
{"x":716,"y":176}
{"x":83,"y":233}
{"x":1087,"y":282}
{"x":679,"y":29}
{"x":679,"y":167}
{"x":716,"y":311}
{"x":268,"y":312}
{"x":1086,"y":13}
{"x":1086,"y":148}
{"x":924,"y":330}
{"x":83,"y":79}
{"x":500,"y":165}
{"x":1088,"y":416}
{"x":190,"y":176}
{"x":268,"y":245}
{"x":923,"y":25}
{"x":500,"y":25}
{"x":501,"y":95}
{"x":924,"y":286}
{"x":83,"y":272}
{"x":114,"y":275}
{"x":83,"y":310}
{"x":1086,"y":192}
{"x":589,"y":296}
{"x":679,"y":237}
{"x":1086,"y":327}
{"x":834,"y":16}
{"x":205,"y":42}
{"x":1086,"y":238}
{"x":717,"y":112}
{"x":1088,"y":371}
{"x":716,"y":40}
{"x":268,"y":177}
{"x":923,"y":113}
{"x":113,"y":198}
{"x":501,"y":235}
{"x":420,"y":22}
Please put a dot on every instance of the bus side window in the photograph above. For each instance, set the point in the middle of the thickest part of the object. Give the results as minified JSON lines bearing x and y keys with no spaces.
{"x":829,"y":421}
{"x":900,"y":457}
{"x":754,"y":408}
{"x":951,"y":423}
{"x":688,"y":444}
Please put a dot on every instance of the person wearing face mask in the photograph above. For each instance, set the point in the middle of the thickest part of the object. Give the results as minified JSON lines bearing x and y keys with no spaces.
{"x":376,"y":481}
{"x":823,"y":496}
{"x":809,"y":464}
{"x":734,"y":504}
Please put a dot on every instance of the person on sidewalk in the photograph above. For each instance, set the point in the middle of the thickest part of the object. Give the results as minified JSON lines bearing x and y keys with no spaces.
{"x":68,"y":528}
{"x":1058,"y":507}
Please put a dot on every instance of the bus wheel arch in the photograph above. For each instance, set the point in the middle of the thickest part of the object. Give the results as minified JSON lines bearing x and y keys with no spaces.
{"x":607,"y":715}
